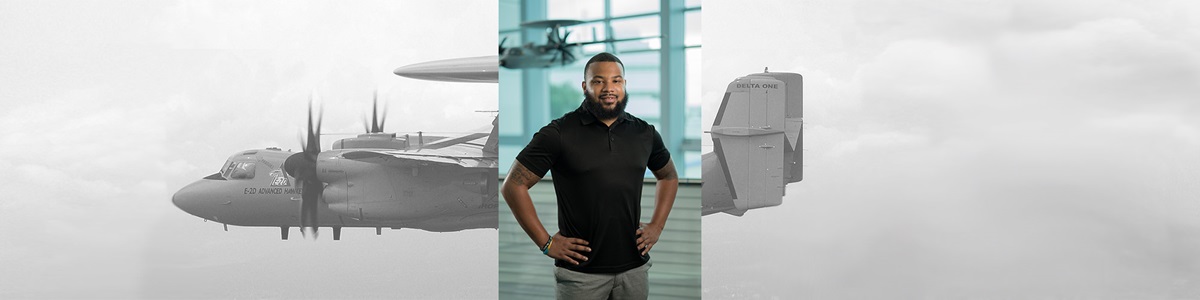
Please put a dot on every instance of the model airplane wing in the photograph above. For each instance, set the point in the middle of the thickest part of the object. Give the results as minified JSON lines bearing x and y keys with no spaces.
{"x":756,"y":142}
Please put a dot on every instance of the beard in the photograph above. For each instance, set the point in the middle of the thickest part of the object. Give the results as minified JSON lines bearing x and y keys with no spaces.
{"x":592,"y":104}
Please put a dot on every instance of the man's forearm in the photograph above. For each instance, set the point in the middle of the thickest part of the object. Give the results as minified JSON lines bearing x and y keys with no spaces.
{"x":664,"y":193}
{"x":664,"y":199}
{"x":516,"y":194}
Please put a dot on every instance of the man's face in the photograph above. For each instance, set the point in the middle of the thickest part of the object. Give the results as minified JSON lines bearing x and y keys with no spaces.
{"x":604,"y":89}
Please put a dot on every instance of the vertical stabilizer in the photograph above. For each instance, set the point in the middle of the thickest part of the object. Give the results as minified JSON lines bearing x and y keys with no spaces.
{"x":491,"y":146}
{"x":757,"y":144}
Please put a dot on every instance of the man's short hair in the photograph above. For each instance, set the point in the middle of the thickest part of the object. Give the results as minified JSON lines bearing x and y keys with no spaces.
{"x":600,"y":57}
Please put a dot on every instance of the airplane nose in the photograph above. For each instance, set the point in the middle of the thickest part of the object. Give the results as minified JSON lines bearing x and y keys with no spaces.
{"x":188,"y":200}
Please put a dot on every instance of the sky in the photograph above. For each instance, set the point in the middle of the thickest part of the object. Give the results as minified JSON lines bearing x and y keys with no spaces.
{"x":983,"y":149}
{"x":109,"y":108}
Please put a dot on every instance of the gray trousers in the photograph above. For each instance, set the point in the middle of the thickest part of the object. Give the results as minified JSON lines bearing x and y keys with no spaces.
{"x":632,"y":284}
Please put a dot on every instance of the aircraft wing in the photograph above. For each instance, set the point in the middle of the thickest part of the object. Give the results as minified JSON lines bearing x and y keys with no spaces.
{"x":421,"y":158}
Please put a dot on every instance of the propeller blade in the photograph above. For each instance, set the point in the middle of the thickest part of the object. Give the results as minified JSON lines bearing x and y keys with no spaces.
{"x":366,"y":126}
{"x":310,"y":195}
{"x":502,"y":44}
{"x":383,"y":116}
{"x":303,"y":167}
{"x":375,"y":113}
{"x":378,"y":118}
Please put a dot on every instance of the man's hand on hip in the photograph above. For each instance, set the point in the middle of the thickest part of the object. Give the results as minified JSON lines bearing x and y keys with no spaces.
{"x":648,"y":236}
{"x":568,"y":249}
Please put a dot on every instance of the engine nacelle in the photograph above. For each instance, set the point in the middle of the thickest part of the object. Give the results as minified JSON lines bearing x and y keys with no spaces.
{"x":372,"y":141}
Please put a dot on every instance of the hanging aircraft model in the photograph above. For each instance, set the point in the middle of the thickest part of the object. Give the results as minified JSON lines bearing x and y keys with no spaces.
{"x":757,"y":141}
{"x":376,"y":179}
{"x":556,"y":50}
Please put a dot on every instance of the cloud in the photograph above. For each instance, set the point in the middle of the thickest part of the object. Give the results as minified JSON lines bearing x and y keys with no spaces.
{"x":109,"y":109}
{"x":974,"y":149}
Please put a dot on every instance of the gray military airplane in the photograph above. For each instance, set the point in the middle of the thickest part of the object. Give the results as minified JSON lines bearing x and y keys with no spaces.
{"x":376,"y":179}
{"x":757,"y":141}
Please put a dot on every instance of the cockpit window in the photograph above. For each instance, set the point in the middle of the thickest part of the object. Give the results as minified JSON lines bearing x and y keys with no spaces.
{"x":239,"y":170}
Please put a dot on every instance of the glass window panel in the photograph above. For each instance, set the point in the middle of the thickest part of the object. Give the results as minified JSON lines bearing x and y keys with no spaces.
{"x":633,"y":7}
{"x":574,"y":9}
{"x":692,"y":92}
{"x":637,"y":45}
{"x":636,"y":27}
{"x":565,"y":91}
{"x":691,"y":164}
{"x":508,"y":154}
{"x":587,"y":32}
{"x":692,"y":65}
{"x":510,"y":14}
{"x":242,"y":170}
{"x":511,"y":111}
{"x":692,"y":3}
{"x":691,"y":35}
{"x":642,"y":85}
{"x":589,"y":50}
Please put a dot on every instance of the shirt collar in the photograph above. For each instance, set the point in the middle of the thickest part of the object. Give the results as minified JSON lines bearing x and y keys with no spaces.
{"x":587,"y":118}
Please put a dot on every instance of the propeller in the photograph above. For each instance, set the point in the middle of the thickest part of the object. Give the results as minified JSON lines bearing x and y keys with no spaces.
{"x":502,"y":45}
{"x":559,"y":43}
{"x":303,"y":167}
{"x":377,"y":118}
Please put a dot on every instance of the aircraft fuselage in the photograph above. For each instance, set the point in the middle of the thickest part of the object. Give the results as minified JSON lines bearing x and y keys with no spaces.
{"x":253,"y":190}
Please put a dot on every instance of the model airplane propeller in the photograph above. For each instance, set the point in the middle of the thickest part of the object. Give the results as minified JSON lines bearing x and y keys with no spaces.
{"x":757,"y":144}
{"x":556,"y":50}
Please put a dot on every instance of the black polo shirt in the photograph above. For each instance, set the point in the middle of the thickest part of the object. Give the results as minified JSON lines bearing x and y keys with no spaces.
{"x":597,"y":173}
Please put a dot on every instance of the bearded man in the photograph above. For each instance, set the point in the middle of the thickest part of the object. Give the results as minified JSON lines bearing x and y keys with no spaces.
{"x":599,"y":155}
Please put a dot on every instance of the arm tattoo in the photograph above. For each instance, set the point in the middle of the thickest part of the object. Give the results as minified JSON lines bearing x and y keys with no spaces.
{"x":666,"y":172}
{"x":521,"y":176}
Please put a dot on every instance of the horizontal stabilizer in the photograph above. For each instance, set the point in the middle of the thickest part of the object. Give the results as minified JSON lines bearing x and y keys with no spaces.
{"x":718,"y":193}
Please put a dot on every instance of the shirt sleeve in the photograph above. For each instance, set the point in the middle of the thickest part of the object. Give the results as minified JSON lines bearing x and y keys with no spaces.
{"x":542,"y":150}
{"x":659,"y":156}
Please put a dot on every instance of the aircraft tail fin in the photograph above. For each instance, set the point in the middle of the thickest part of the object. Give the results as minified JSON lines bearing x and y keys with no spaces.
{"x":489,"y":147}
{"x":794,"y":124}
{"x":756,"y":143}
{"x":492,"y":146}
